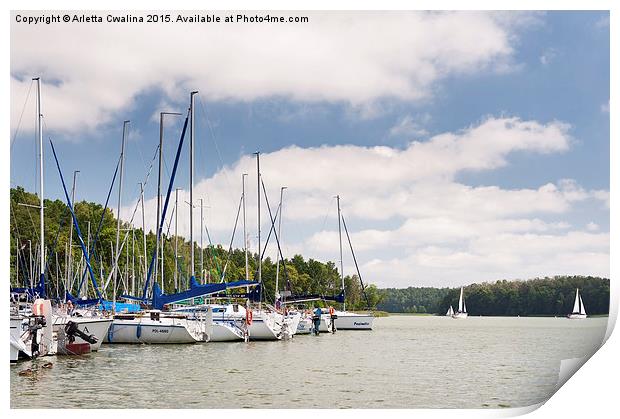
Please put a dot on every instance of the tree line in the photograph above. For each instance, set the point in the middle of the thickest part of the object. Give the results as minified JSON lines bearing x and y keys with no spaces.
{"x":551,"y":296}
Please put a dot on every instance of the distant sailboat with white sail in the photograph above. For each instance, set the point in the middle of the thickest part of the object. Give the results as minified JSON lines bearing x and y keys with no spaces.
{"x":579,"y":310}
{"x":450,"y":311}
{"x":461,"y":312}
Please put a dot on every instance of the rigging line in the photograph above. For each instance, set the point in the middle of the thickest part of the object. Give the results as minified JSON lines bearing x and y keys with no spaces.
{"x":273,"y":227}
{"x":359,"y":275}
{"x":19,"y":122}
{"x":115,"y":262}
{"x":203,"y":109}
{"x":231,"y":240}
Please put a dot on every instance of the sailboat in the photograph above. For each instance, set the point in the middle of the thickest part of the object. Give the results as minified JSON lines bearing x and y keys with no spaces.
{"x":579,"y":310}
{"x":344,"y":319}
{"x":450,"y":312}
{"x":461,"y":312}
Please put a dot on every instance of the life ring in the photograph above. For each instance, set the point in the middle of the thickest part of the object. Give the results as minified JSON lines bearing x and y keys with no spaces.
{"x":248,"y":317}
{"x":331,"y":311}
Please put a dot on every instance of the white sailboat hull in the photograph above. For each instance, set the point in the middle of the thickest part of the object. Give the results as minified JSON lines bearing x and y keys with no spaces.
{"x":90,"y":325}
{"x":353,"y":321}
{"x":577,"y":316}
{"x":292,"y":321}
{"x":266,"y":325}
{"x":146,"y":330}
{"x":459,"y":316}
{"x":17,"y":345}
{"x":305,"y":326}
{"x":226,"y":332}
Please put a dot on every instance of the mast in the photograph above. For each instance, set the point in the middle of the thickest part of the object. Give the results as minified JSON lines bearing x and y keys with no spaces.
{"x":41,"y":184}
{"x":159,"y":196}
{"x":277,"y":293}
{"x":143,"y":230}
{"x":260,"y":267}
{"x":344,"y":304}
{"x":245,"y":235}
{"x":85,"y":290}
{"x":191,"y":181}
{"x":202,"y":268}
{"x":176,"y":240}
{"x":118,"y":214}
{"x":133,"y":260}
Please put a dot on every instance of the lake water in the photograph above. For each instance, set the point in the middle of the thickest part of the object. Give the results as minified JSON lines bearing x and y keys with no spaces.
{"x":406,"y":362}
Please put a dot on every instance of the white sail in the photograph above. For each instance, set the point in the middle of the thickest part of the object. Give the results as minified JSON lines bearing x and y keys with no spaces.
{"x":462,"y":308}
{"x":583,"y":308}
{"x":576,"y":305}
{"x":450,"y":311}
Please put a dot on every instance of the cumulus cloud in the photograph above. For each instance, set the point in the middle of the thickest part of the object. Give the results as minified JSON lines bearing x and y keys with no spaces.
{"x":411,"y":220}
{"x":351,"y":58}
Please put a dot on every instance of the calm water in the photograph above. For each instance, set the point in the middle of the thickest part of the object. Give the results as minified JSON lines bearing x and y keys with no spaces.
{"x":406,"y":362}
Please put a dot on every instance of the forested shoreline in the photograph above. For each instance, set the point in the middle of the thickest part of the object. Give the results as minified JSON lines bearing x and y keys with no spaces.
{"x":539,"y":296}
{"x":552,"y":296}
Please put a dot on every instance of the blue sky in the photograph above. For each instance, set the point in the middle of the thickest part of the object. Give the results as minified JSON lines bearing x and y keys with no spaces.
{"x":536,"y":83}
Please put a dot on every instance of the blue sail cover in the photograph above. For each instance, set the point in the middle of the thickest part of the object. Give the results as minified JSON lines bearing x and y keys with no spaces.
{"x":103,"y":304}
{"x":196,"y":290}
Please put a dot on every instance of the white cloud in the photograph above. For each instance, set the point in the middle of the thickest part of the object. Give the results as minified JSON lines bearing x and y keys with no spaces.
{"x":420,"y":225}
{"x":351,"y":58}
{"x":408,"y":126}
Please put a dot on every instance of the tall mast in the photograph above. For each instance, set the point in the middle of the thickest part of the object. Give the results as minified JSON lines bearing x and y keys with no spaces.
{"x":202,"y":268}
{"x":85,"y":290}
{"x":260,"y":267}
{"x":41,"y":185}
{"x":277,"y":293}
{"x":143,"y":231}
{"x":245,"y":235}
{"x":70,"y":274}
{"x":176,"y":240}
{"x":161,"y":244}
{"x":191,"y":182}
{"x":133,"y":260}
{"x":344,"y":304}
{"x":118,"y":214}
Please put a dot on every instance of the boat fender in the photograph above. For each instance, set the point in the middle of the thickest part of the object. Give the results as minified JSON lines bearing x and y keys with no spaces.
{"x":139,"y":331}
{"x":37,"y":307}
{"x":248,"y":317}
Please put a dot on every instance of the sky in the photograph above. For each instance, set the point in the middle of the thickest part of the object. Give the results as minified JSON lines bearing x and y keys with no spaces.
{"x":465,"y":147}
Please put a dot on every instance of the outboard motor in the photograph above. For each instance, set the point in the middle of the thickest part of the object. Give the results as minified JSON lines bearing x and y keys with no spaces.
{"x":71,"y":329}
{"x":35,"y":323}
